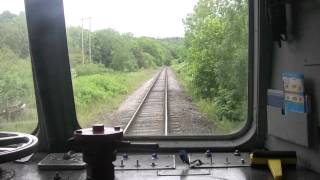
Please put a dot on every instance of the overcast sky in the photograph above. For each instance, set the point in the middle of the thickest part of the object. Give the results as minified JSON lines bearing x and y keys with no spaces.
{"x":155,"y":18}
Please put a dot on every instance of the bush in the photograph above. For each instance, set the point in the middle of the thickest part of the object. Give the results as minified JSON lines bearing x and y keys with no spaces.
{"x":96,"y":88}
{"x":90,"y":69}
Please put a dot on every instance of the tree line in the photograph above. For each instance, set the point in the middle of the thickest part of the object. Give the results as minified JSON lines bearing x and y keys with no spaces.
{"x":121,"y":51}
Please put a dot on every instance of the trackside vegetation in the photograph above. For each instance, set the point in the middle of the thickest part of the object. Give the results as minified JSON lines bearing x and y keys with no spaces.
{"x":214,"y":67}
{"x":210,"y":61}
{"x":99,"y":94}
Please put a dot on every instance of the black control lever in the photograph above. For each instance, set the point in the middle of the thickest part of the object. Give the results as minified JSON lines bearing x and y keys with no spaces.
{"x":99,"y":145}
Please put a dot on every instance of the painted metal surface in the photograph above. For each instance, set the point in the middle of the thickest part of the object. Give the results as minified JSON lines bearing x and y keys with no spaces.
{"x":30,"y":171}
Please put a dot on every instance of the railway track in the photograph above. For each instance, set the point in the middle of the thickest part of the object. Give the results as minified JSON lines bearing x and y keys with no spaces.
{"x":151,"y":115}
{"x":164,"y":109}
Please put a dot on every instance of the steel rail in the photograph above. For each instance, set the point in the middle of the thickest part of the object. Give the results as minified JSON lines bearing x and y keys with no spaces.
{"x":141,"y":103}
{"x":166,"y":104}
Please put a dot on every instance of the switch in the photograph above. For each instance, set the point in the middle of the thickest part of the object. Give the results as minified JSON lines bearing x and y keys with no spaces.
{"x":125,"y":156}
{"x":208,"y":153}
{"x":236,"y":153}
{"x":154,"y":156}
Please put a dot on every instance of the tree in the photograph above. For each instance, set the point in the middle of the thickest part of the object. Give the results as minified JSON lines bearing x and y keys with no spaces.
{"x":216,"y":44}
{"x":13,"y":30}
{"x":104,"y":42}
{"x":122,"y":58}
{"x":151,"y":47}
{"x":15,"y":79}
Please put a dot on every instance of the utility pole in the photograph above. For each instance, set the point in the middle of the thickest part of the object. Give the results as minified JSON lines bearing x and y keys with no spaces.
{"x":82,"y":45}
{"x":82,"y":40}
{"x":90,"y":54}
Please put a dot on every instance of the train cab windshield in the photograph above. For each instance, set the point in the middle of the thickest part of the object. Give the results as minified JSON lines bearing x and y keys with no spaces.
{"x":181,"y":73}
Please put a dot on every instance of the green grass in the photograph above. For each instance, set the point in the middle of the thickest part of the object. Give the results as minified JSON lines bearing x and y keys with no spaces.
{"x":25,"y":122}
{"x":223,"y":126}
{"x":19,"y":126}
{"x":206,"y":107}
{"x":100,"y":94}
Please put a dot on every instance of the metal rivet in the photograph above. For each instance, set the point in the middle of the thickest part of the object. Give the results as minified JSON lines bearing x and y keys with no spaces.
{"x":121,"y":164}
{"x":137,"y":164}
{"x":227,"y":161}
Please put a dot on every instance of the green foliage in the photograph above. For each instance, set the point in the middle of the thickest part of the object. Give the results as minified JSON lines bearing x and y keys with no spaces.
{"x":16,"y":83}
{"x":75,"y":59}
{"x":123,"y":52}
{"x":102,"y":93}
{"x":74,"y":39}
{"x":159,"y":50}
{"x":90,"y":69}
{"x":15,"y":79}
{"x":147,"y":60}
{"x":143,"y":59}
{"x":97,"y":88}
{"x":216,"y":42}
{"x":123,"y":58}
{"x":224,"y":126}
{"x":13,"y":30}
{"x":103,"y":42}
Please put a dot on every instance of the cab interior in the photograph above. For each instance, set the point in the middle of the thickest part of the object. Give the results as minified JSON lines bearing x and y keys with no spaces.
{"x":283,"y":38}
